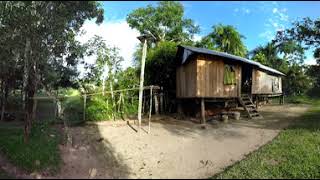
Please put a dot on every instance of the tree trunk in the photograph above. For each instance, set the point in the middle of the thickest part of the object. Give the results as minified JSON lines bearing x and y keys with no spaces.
{"x":4,"y":99}
{"x":25,"y":90}
{"x":25,"y":73}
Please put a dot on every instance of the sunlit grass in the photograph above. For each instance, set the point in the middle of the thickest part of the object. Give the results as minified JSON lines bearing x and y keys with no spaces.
{"x":294,"y":153}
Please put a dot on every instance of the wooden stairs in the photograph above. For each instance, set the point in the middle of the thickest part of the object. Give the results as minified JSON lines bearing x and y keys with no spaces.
{"x":249,"y":107}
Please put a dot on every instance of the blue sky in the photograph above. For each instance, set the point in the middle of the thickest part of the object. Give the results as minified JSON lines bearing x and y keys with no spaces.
{"x":257,"y":21}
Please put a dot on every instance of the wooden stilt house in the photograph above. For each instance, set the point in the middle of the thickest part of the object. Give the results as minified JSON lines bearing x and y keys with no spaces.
{"x":212,"y":76}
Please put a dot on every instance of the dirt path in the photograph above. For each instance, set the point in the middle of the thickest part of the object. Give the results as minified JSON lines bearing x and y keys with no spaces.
{"x":174,"y":149}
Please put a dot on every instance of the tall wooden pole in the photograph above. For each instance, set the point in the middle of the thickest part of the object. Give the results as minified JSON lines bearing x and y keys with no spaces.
{"x":143,"y":61}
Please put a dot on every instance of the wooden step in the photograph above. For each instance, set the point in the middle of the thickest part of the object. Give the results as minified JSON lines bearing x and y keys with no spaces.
{"x":249,"y":107}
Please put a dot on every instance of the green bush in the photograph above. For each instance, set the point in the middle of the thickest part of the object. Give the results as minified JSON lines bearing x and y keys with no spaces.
{"x":98,"y":109}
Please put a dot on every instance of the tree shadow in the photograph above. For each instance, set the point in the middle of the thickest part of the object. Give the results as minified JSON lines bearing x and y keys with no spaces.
{"x":92,"y":156}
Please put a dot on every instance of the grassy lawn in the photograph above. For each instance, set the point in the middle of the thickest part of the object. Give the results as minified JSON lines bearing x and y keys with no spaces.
{"x":41,"y":153}
{"x":294,"y":153}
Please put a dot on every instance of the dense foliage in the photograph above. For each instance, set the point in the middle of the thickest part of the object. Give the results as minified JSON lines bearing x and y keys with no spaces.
{"x":224,"y":38}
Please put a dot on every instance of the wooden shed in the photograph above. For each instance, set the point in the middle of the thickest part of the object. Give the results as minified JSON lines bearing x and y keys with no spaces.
{"x":211,"y":75}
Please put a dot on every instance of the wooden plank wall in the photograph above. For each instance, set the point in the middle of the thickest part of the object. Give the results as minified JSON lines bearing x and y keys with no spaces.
{"x":186,"y":80}
{"x":210,"y":75}
{"x":262,"y":83}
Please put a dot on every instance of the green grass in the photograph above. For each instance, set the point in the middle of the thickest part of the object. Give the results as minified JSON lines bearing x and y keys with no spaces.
{"x":4,"y":175}
{"x":41,"y":153}
{"x":294,"y":153}
{"x":301,"y":99}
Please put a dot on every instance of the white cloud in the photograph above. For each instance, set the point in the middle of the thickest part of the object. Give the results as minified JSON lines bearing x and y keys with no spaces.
{"x":115,"y":33}
{"x":268,"y":34}
{"x":310,"y":61}
{"x":242,"y":10}
{"x":196,"y":37}
{"x":277,"y":22}
{"x":274,"y":10}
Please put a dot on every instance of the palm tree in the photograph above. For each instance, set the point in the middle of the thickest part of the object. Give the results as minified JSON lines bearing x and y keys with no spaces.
{"x":224,"y":38}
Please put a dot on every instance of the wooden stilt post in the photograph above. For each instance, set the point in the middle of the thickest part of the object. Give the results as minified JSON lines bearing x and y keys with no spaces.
{"x":150,"y":110}
{"x":203,"y":114}
{"x":179,"y":107}
{"x":280,"y":98}
{"x":84,"y":107}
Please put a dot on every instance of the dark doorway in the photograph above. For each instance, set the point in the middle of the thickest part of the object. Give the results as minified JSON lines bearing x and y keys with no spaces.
{"x":246,"y":79}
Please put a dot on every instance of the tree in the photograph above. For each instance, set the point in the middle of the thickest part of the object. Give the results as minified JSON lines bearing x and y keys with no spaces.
{"x":44,"y":35}
{"x":260,"y":57}
{"x":165,"y":22}
{"x":161,"y":65}
{"x":304,"y":31}
{"x":224,"y":38}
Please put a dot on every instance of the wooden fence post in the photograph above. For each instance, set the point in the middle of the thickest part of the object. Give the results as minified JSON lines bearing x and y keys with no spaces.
{"x":156,"y":103}
{"x":161,"y":102}
{"x":150,"y":110}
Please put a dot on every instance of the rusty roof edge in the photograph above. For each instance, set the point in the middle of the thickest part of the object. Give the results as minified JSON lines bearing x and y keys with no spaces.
{"x":226,"y":55}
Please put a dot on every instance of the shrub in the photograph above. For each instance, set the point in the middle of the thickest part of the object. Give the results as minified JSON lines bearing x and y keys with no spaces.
{"x":98,"y":109}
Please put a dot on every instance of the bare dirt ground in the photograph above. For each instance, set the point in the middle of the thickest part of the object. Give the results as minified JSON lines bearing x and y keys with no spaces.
{"x":173,"y":149}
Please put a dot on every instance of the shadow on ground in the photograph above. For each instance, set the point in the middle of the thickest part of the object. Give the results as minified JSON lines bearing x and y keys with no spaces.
{"x":91,"y":156}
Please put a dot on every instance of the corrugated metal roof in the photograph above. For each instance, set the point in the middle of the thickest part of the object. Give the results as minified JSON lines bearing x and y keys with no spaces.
{"x":191,"y":50}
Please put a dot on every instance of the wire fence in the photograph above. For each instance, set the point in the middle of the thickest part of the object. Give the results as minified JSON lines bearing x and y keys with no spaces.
{"x":98,"y":106}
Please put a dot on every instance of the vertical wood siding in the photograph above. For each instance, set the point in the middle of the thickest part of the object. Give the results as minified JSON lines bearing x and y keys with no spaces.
{"x":262,"y":83}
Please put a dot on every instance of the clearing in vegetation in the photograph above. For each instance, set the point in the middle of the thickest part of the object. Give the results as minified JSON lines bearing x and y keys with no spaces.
{"x":174,"y":149}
